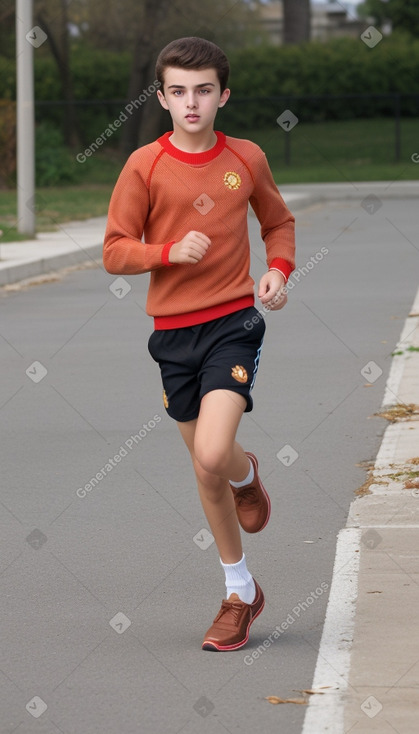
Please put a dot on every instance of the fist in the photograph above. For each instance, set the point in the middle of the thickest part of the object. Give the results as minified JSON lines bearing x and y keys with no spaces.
{"x":190,"y":249}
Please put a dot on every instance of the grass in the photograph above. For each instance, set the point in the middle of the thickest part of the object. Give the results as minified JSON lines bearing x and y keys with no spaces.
{"x":347,"y":150}
{"x":58,"y":204}
{"x":335,"y":151}
{"x":55,"y":206}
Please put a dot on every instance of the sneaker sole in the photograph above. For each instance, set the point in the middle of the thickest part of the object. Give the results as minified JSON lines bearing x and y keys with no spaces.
{"x":248,"y":453}
{"x":213,"y":647}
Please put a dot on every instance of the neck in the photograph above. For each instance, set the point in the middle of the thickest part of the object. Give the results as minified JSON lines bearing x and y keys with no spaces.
{"x":195,"y":142}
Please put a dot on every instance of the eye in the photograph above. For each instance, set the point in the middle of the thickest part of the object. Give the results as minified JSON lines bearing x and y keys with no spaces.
{"x":205,"y":91}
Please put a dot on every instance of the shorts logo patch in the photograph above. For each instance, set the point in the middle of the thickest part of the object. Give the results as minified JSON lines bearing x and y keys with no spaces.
{"x":239,"y":373}
{"x":232,"y":180}
{"x":165,"y":400}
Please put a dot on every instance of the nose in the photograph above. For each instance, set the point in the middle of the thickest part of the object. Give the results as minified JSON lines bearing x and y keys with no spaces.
{"x":191,"y":101}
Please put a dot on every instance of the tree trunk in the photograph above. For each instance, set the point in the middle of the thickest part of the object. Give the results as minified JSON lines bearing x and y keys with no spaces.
{"x":139,"y":126}
{"x":139,"y":81}
{"x":61,"y":52}
{"x":153,"y":122}
{"x":297,"y":21}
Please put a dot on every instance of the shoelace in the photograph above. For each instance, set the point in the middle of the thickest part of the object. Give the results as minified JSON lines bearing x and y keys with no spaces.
{"x":247,"y":495}
{"x":235,"y":607}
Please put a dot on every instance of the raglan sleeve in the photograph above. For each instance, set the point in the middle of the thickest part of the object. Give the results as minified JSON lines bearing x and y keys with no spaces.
{"x":277,"y":223}
{"x":124,"y":253}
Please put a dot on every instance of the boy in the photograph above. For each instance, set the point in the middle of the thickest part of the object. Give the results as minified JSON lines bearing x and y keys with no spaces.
{"x":188,"y":193}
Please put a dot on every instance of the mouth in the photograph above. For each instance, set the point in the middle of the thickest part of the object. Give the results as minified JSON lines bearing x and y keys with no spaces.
{"x":192,"y":117}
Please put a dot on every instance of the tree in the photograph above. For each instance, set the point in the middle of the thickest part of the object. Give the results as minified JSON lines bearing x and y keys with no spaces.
{"x":141,"y":27}
{"x":149,"y":36}
{"x":297,"y":21}
{"x":228,"y":24}
{"x":55,"y":23}
{"x":402,"y":14}
{"x":8,"y":30}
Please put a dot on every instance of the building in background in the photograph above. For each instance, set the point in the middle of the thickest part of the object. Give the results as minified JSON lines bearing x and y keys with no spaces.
{"x":328,"y":20}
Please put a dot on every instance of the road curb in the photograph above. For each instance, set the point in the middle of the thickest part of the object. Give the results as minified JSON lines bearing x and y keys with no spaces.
{"x":33,"y":268}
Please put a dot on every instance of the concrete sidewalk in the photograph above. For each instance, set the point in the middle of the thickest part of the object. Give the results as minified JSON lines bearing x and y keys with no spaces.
{"x":77,"y":242}
{"x":72,"y":244}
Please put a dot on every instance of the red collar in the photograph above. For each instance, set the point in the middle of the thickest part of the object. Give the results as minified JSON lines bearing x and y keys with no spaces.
{"x":181,"y":155}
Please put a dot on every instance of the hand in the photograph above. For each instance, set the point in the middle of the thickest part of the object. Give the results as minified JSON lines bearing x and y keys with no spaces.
{"x":271,"y":290}
{"x":190,"y":249}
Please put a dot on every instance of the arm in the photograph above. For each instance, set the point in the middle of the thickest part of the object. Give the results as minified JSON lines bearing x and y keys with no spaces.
{"x":277,"y":231}
{"x":123,"y":251}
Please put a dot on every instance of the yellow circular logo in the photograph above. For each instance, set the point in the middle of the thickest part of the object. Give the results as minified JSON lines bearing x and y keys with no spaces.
{"x":232,"y":180}
{"x":239,"y":373}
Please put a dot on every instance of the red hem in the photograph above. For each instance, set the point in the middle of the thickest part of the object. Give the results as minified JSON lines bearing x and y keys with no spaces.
{"x":283,"y":265}
{"x":165,"y":253}
{"x":193,"y":318}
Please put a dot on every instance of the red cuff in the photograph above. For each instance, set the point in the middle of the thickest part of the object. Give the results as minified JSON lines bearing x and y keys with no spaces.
{"x":165,"y":253}
{"x":282,"y":265}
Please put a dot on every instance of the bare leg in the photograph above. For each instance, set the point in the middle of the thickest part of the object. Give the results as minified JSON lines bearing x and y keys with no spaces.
{"x":217,"y":458}
{"x":215,"y":446}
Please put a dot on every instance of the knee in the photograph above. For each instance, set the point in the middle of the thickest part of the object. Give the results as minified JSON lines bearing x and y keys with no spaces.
{"x":213,"y":459}
{"x":212,"y":485}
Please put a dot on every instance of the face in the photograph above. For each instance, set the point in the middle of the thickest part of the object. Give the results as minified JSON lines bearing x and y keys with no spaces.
{"x":192,"y":97}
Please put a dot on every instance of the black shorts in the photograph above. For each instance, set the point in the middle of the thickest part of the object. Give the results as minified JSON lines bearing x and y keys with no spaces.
{"x":219,"y":354}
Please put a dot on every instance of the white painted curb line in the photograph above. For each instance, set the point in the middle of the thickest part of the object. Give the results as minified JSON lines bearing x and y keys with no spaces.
{"x":325,"y":713}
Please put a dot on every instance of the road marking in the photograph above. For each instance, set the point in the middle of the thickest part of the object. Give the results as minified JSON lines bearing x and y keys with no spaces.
{"x":398,"y":361}
{"x":325,"y":713}
{"x":390,"y":527}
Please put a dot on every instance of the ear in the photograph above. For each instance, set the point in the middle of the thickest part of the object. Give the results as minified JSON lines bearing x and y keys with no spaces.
{"x":162,"y":99}
{"x":224,"y":97}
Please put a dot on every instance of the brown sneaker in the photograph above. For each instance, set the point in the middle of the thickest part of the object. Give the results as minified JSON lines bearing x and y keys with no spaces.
{"x":253,"y":505}
{"x":230,"y":629}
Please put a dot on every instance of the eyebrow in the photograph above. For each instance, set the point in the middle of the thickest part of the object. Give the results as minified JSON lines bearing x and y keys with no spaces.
{"x":180,"y":86}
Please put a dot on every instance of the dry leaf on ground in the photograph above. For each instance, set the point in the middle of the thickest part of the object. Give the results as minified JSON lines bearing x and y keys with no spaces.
{"x":309,"y":692}
{"x":411,"y":484}
{"x":276,"y":699}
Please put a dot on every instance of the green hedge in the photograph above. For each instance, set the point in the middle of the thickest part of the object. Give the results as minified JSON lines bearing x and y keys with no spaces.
{"x":343,"y":66}
{"x":97,"y":74}
{"x":54,"y":166}
{"x":258,"y":76}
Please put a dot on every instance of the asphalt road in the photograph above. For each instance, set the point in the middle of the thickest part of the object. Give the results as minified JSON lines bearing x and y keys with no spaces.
{"x":108,"y":576}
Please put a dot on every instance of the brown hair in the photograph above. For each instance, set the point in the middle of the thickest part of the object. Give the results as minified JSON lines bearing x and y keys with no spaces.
{"x":193,"y":53}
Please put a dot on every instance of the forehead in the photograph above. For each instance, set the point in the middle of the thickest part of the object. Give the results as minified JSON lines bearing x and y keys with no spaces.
{"x":189,"y":78}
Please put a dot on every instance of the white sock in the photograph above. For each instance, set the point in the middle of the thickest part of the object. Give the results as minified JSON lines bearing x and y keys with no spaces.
{"x":247,"y":480}
{"x":239,"y":581}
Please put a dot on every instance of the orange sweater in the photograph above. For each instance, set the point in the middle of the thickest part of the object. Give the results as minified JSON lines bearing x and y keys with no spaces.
{"x":163,"y":193}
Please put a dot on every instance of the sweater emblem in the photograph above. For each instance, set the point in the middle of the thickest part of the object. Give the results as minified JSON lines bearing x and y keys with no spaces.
{"x":232,"y":180}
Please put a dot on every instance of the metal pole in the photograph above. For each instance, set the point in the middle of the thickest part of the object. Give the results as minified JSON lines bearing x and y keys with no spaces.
{"x":25,"y":120}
